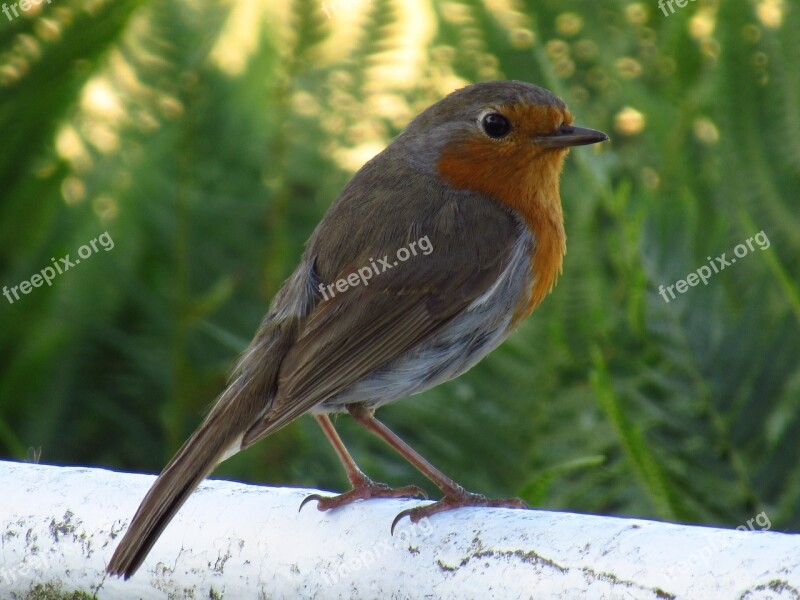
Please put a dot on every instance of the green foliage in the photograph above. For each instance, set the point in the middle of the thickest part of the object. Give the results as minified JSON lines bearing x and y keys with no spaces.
{"x":208,"y":141}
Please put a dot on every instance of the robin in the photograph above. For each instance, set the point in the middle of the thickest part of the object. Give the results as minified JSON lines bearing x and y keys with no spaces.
{"x":459,"y":224}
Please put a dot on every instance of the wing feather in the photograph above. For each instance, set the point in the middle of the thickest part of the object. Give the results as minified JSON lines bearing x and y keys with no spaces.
{"x":352,"y":335}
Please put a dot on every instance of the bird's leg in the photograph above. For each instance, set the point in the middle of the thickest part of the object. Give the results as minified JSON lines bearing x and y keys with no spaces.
{"x":455,"y":496}
{"x":363,"y":487}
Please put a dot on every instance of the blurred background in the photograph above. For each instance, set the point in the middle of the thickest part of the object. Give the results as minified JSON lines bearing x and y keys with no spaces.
{"x":208,"y":138}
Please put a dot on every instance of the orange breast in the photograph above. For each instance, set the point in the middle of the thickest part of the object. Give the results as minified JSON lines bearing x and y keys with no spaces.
{"x":524,"y":177}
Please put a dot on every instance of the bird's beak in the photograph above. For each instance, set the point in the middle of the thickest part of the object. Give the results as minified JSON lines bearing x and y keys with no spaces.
{"x":569,"y":135}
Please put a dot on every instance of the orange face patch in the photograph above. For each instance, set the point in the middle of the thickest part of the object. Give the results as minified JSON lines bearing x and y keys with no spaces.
{"x":524,"y":176}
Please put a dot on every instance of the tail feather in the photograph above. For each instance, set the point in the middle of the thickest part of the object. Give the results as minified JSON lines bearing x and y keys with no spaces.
{"x":217,"y":438}
{"x":244,"y":402}
{"x":193,"y":463}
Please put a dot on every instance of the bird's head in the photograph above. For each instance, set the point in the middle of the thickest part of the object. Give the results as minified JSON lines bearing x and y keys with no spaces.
{"x":506,"y":139}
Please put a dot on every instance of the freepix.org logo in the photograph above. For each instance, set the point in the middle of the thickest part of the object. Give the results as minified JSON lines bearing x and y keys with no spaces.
{"x":60,"y":266}
{"x":23,"y":5}
{"x":714,"y":266}
{"x":364,"y":274}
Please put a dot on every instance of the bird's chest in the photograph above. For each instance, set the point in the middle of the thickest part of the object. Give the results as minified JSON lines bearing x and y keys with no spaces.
{"x":469,"y":337}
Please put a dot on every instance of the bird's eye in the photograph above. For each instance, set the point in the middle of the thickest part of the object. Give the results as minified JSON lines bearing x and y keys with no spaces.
{"x":496,"y":125}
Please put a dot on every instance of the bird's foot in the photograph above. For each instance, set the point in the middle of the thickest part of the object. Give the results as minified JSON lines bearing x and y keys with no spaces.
{"x":364,"y":490}
{"x":456,"y":499}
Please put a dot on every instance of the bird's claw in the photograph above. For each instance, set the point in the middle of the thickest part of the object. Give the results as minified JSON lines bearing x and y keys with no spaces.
{"x":409,"y":512}
{"x":308,"y":499}
{"x":462,"y":499}
{"x":364,"y":491}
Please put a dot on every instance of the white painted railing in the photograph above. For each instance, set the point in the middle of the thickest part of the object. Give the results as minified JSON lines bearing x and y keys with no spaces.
{"x":59,"y":526}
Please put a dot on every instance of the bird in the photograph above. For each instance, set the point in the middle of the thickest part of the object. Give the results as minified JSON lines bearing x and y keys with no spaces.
{"x":469,"y":190}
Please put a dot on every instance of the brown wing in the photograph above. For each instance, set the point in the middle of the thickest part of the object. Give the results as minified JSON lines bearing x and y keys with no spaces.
{"x":355,"y":333}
